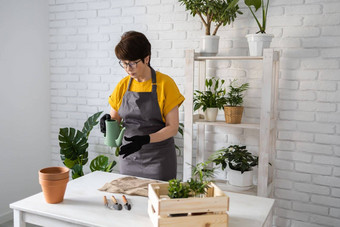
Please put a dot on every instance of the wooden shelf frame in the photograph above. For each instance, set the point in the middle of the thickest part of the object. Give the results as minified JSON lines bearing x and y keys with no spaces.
{"x":268,"y":118}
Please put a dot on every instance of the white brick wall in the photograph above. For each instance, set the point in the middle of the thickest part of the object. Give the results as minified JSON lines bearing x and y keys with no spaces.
{"x":84,"y":71}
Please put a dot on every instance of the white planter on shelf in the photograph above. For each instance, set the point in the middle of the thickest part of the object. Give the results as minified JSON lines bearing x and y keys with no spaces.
{"x":236,"y":178}
{"x":258,"y":42}
{"x":210,"y":114}
{"x":209,"y":45}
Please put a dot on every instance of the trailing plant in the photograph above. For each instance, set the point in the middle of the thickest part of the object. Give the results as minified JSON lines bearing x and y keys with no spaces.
{"x":221,"y":12}
{"x":177,"y":189}
{"x":73,"y":149}
{"x":236,"y":157}
{"x":212,"y":97}
{"x":235,"y":96}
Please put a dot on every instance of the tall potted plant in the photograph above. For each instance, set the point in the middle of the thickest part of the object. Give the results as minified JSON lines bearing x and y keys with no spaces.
{"x":233,"y":110}
{"x":240,"y":163}
{"x":73,"y":149}
{"x":220,"y":12}
{"x":257,"y":42}
{"x":211,"y":99}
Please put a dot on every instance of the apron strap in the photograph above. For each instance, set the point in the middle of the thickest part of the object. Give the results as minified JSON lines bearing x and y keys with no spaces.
{"x":153,"y":77}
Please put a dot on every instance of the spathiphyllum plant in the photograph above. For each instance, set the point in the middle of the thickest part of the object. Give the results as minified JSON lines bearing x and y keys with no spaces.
{"x":212,"y":97}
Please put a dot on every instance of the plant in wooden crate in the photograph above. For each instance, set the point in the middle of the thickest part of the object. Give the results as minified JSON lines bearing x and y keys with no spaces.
{"x":212,"y":206}
{"x":233,"y":110}
{"x":211,"y":99}
{"x":73,"y":149}
{"x":220,"y":12}
{"x":240,"y":162}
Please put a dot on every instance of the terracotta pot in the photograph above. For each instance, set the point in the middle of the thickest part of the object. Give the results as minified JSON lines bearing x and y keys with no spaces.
{"x":54,"y":173}
{"x":54,"y":190}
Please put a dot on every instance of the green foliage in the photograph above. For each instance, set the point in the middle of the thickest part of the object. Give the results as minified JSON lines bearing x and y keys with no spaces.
{"x":235,"y":96}
{"x":236,"y":157}
{"x":177,"y":189}
{"x":213,"y":97}
{"x":101,"y":163}
{"x":196,"y":185}
{"x":73,"y":147}
{"x":257,"y":4}
{"x":221,"y":12}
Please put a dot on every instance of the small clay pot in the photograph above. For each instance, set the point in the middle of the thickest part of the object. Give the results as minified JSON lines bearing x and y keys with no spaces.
{"x":54,"y":190}
{"x":54,"y":173}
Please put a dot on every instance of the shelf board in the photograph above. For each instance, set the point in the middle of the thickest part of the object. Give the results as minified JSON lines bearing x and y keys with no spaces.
{"x":202,"y":58}
{"x":224,"y":124}
{"x":225,"y":186}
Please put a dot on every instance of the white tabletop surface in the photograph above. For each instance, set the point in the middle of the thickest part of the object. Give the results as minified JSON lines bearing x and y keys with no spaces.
{"x":83,"y":205}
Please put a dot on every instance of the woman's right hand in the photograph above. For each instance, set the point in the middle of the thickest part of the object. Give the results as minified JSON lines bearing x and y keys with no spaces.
{"x":102,"y":122}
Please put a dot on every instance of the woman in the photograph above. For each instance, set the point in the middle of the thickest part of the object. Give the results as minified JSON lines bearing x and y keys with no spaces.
{"x":148,"y":103}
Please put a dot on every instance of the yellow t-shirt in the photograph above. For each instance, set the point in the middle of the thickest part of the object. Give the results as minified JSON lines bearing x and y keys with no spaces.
{"x":167,"y":92}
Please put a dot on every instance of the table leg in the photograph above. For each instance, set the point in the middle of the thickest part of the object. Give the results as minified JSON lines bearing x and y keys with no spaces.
{"x":18,"y":219}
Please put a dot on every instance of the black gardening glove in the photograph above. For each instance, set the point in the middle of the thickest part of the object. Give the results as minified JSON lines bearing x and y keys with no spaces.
{"x":102,"y":122}
{"x":136,"y":144}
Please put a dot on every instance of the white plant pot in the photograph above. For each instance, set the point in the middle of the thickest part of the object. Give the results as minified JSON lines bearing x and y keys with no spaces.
{"x":258,"y":42}
{"x":211,"y":114}
{"x":245,"y":179}
{"x":209,"y":45}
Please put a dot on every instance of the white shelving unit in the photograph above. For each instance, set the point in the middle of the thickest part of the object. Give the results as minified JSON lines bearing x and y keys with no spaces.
{"x":266,"y":126}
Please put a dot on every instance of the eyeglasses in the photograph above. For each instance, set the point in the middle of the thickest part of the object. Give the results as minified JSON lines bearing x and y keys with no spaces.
{"x":132,"y":64}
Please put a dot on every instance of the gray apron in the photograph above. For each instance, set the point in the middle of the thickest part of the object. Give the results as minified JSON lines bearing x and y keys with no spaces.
{"x":142,"y":116}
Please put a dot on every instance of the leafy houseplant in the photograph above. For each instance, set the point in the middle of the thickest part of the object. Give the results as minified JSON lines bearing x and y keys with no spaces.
{"x":221,"y":12}
{"x":212,"y":97}
{"x":257,"y":42}
{"x":240,"y":163}
{"x":195,"y":186}
{"x":235,"y":96}
{"x":177,"y":189}
{"x":233,"y":110}
{"x":73,"y":149}
{"x":236,"y":157}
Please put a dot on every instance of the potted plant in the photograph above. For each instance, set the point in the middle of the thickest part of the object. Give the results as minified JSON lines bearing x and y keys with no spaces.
{"x":73,"y":149}
{"x":257,"y":42}
{"x":240,"y":162}
{"x":211,"y":99}
{"x":220,"y":12}
{"x":233,"y":110}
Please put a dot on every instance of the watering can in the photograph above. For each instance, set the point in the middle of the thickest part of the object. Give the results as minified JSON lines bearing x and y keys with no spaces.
{"x":113,"y":135}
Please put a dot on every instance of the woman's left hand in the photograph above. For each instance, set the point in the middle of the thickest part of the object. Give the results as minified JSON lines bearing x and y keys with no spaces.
{"x":136,"y":144}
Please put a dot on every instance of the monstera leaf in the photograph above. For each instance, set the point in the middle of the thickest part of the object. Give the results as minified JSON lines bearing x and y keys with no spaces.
{"x":77,"y":171}
{"x":73,"y":145}
{"x":101,"y":163}
{"x":91,"y":121}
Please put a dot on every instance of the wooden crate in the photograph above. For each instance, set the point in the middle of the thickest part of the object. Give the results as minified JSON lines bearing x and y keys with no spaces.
{"x":214,"y":207}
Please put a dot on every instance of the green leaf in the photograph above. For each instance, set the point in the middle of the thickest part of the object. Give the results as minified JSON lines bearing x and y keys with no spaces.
{"x":255,"y":3}
{"x":77,"y":171}
{"x":69,"y":163}
{"x":101,"y":163}
{"x":73,"y":144}
{"x":90,"y":123}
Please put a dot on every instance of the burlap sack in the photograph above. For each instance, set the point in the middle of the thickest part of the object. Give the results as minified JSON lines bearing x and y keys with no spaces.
{"x":129,"y":186}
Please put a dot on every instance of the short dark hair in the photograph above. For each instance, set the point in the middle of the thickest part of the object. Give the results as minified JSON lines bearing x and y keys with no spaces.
{"x":133,"y":46}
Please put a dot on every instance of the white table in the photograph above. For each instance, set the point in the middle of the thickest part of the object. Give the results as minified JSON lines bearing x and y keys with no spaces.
{"x":83,"y":206}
